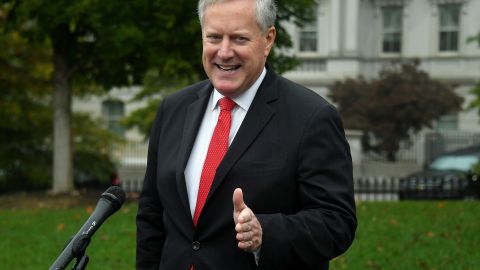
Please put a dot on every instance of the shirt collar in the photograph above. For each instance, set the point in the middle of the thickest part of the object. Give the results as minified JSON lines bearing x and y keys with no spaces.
{"x":245,"y":99}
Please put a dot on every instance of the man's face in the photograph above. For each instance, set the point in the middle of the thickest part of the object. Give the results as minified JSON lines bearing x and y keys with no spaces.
{"x":234,"y":47}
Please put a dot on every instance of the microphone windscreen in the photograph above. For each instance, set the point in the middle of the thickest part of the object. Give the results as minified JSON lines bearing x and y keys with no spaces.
{"x":116,"y":193}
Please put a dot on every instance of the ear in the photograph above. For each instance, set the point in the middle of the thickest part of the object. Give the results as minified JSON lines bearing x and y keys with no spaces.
{"x":270,"y":39}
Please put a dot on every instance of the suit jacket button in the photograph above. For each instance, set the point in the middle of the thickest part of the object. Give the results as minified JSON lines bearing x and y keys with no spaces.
{"x":196,"y":245}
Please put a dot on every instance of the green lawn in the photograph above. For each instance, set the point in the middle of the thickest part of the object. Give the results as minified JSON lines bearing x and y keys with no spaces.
{"x":32,"y":239}
{"x":405,"y":235}
{"x":415,"y":235}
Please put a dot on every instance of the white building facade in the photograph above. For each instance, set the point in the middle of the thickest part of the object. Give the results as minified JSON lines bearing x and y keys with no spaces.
{"x":352,"y":38}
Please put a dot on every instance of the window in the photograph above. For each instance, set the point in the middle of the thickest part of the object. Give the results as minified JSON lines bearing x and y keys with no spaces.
{"x":308,"y":35}
{"x":447,"y":122}
{"x":113,"y":111}
{"x":449,"y":25}
{"x":392,"y":29}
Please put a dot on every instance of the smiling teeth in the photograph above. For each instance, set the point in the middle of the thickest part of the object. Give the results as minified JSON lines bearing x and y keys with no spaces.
{"x":227,"y":68}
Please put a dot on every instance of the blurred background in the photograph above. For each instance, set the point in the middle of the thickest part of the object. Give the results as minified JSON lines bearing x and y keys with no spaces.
{"x":80,"y":82}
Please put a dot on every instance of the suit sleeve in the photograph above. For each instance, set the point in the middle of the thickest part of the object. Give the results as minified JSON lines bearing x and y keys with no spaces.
{"x":150,"y":229}
{"x":325,"y":225}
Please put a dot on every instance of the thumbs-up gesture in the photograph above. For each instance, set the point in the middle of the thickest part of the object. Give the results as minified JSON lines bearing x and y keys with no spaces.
{"x":247,"y":226}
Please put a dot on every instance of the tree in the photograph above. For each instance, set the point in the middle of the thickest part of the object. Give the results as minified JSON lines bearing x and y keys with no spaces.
{"x":475,"y":103}
{"x":475,"y":38}
{"x":26,"y":126}
{"x":24,"y":111}
{"x":476,"y":89}
{"x":404,"y":99}
{"x":107,"y":43}
{"x":113,"y":43}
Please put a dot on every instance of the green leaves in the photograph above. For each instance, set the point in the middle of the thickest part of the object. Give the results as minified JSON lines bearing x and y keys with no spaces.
{"x":474,"y":39}
{"x":26,"y":116}
{"x":25,"y":111}
{"x":97,"y":45}
{"x":143,"y":118}
{"x":475,"y":103}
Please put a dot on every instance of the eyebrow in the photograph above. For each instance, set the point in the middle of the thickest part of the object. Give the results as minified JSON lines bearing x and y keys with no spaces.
{"x":234,"y":33}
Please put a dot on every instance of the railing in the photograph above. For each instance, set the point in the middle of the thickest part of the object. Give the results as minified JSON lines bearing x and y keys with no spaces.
{"x":416,"y":188}
{"x":391,"y":188}
{"x":134,"y":151}
{"x":423,"y":148}
{"x":131,"y":177}
{"x":376,"y":188}
{"x":132,"y":185}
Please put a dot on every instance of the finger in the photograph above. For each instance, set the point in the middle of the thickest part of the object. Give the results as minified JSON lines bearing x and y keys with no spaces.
{"x":238,"y":203}
{"x":245,"y":216}
{"x":243,"y":227}
{"x":245,"y":236}
{"x":246,"y":245}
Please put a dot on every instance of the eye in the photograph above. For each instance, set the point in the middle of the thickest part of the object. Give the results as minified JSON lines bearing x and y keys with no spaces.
{"x":213,"y":38}
{"x":241,"y":39}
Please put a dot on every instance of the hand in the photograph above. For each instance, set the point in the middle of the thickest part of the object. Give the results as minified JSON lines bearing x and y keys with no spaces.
{"x":249,"y":230}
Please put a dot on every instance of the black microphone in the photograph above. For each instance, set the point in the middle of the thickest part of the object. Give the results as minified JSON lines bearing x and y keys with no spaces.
{"x":110,"y":201}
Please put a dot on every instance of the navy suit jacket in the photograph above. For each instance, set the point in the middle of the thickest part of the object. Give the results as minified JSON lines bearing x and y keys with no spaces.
{"x":293,"y":163}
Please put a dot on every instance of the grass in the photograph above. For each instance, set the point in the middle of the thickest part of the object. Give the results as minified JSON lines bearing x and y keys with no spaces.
{"x":405,"y":235}
{"x":415,"y":235}
{"x":33,"y":238}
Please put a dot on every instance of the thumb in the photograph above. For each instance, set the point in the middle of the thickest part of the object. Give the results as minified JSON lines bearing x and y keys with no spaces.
{"x":238,"y":203}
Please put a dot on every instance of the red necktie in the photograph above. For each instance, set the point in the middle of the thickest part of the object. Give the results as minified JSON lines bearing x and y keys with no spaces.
{"x":216,"y":150}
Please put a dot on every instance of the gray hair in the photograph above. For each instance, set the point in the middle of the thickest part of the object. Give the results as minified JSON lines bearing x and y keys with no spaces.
{"x":265,"y":12}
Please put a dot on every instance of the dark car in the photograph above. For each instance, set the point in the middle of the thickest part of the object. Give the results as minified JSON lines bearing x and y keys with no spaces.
{"x":448,"y":176}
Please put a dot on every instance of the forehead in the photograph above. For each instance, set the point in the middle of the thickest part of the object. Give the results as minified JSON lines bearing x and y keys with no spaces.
{"x":230,"y":16}
{"x":237,"y":5}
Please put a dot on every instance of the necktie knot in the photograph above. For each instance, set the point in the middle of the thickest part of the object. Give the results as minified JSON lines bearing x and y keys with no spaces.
{"x":226,"y":104}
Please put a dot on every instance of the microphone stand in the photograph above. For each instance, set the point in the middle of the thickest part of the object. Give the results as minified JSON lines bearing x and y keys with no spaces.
{"x":81,"y":263}
{"x":78,"y":250}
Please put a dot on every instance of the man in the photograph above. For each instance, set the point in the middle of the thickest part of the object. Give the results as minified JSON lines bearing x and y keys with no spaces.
{"x":280,"y":197}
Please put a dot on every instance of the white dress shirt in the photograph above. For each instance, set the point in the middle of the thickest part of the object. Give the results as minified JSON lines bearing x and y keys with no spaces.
{"x":194,"y":167}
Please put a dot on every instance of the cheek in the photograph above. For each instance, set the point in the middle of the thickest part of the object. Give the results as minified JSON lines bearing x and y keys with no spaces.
{"x":257,"y":52}
{"x":208,"y":52}
{"x":245,"y":54}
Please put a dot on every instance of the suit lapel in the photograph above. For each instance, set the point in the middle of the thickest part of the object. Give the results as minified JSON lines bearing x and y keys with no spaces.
{"x":193,"y":118}
{"x":258,"y":115}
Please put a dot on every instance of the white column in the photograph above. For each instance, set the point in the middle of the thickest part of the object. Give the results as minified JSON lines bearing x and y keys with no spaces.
{"x":335,"y":29}
{"x":351,"y":28}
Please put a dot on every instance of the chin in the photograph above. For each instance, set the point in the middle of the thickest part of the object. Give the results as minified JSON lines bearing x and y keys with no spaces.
{"x":226,"y":88}
{"x":229,"y":92}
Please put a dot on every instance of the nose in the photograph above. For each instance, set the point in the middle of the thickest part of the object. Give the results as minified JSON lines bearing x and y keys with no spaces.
{"x":225,"y":51}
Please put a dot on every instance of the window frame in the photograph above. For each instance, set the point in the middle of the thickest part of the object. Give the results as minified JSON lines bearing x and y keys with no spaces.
{"x":398,"y":31}
{"x":447,"y":122}
{"x":449,"y":29}
{"x":312,"y":28}
{"x":112,"y":120}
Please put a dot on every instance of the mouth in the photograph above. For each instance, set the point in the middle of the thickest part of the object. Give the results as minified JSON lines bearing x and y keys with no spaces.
{"x":228,"y":68}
